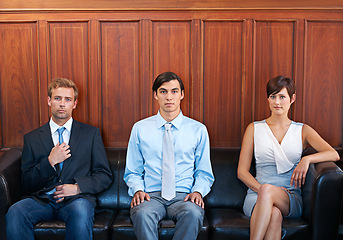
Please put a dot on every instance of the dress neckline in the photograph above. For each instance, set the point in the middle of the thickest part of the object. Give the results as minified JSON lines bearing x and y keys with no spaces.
{"x":284,"y":136}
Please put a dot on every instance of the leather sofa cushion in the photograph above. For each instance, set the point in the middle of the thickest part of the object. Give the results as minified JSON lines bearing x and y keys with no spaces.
{"x":122,"y":228}
{"x":55,"y":230}
{"x":232,"y":224}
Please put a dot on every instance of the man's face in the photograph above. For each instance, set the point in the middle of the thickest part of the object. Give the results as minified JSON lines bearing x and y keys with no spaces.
{"x":62,"y":104}
{"x":169,"y":96}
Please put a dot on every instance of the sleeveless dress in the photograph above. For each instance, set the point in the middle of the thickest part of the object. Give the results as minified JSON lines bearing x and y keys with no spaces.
{"x":275,"y":163}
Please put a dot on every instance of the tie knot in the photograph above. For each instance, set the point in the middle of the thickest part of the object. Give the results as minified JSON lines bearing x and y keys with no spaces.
{"x":61,"y":130}
{"x":167,"y":126}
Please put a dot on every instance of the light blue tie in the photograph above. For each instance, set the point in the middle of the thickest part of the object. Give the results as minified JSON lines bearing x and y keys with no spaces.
{"x":168,"y":164}
{"x":60,"y":140}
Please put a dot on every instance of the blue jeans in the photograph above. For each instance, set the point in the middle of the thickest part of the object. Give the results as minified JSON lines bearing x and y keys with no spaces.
{"x":188,"y":216}
{"x":23,"y":215}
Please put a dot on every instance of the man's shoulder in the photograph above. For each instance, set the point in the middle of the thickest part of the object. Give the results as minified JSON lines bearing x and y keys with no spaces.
{"x":145,"y":122}
{"x":84,"y":125}
{"x":38,"y":130}
{"x":195,"y":123}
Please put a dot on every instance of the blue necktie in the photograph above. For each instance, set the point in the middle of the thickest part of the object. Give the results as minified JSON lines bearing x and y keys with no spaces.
{"x":168,"y":164}
{"x":60,"y":140}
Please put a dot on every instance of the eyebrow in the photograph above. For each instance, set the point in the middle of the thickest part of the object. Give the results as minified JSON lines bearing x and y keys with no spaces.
{"x":163,"y":89}
{"x":62,"y":96}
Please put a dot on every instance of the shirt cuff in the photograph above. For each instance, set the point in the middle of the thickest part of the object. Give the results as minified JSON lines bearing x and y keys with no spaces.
{"x":133,"y":190}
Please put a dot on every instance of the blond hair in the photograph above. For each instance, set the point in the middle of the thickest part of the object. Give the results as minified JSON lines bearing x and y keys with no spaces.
{"x":62,"y":82}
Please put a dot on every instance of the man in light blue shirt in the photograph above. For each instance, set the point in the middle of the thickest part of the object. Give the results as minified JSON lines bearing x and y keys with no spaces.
{"x":193,"y":171}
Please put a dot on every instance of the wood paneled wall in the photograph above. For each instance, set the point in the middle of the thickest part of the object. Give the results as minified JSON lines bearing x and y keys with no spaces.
{"x":225,"y":58}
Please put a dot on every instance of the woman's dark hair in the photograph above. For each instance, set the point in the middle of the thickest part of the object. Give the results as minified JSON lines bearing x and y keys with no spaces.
{"x":166,"y":77}
{"x":276,"y":84}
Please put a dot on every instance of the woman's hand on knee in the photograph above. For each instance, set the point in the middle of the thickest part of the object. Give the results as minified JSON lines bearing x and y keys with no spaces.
{"x":139,"y":198}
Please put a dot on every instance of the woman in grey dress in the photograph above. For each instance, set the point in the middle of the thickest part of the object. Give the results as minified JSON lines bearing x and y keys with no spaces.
{"x":277,"y":144}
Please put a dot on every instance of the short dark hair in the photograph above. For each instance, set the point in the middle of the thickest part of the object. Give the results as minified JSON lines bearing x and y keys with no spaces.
{"x":63,"y":82}
{"x":166,"y":77}
{"x":276,"y":84}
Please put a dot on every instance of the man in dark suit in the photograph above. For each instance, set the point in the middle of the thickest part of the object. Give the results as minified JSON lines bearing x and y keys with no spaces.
{"x":64,"y":165}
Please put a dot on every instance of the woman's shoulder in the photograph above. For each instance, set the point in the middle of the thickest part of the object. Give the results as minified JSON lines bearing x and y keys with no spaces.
{"x":307,"y":129}
{"x":296,"y":126}
{"x":259,"y":122}
{"x":298,"y":123}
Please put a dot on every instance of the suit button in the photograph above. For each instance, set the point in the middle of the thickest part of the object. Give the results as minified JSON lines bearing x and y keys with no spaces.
{"x":60,"y":181}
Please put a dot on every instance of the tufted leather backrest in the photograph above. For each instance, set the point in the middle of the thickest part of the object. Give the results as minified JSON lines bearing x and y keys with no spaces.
{"x":227,"y":190}
{"x":110,"y":199}
{"x":124,"y":198}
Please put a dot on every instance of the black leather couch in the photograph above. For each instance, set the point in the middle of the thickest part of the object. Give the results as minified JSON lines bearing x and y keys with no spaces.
{"x":224,"y":219}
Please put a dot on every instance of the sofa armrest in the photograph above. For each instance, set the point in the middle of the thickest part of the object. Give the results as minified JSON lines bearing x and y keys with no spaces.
{"x":10,"y":183}
{"x":322,"y":196}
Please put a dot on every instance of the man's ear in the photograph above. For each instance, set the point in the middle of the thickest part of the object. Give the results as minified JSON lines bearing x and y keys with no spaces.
{"x":182,"y":94}
{"x":155,"y":95}
{"x":75,"y":103}
{"x":49,"y":101}
{"x":293,"y":98}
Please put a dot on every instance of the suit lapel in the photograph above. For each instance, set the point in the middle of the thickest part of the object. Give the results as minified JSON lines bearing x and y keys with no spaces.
{"x":45,"y":137}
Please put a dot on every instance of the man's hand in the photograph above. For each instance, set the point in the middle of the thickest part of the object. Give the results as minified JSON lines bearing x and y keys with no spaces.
{"x":138,"y":198}
{"x":196,"y":198}
{"x":66,"y":190}
{"x":59,"y":153}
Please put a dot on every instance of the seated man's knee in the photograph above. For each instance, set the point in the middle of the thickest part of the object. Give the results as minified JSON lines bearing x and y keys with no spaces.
{"x":12,"y":215}
{"x":15,"y":213}
{"x":81,"y":209}
{"x":193,"y":212}
{"x":145,"y":214}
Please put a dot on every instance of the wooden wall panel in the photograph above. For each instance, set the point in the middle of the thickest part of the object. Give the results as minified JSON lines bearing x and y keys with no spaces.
{"x":69,"y":58}
{"x":18,"y":80}
{"x":223,"y":48}
{"x":323,"y":83}
{"x":120,"y":80}
{"x":274,"y":55}
{"x":171,"y":51}
{"x":224,"y":56}
{"x":169,"y":4}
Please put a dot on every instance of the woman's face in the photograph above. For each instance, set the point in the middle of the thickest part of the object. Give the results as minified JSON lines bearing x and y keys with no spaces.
{"x":280,"y":102}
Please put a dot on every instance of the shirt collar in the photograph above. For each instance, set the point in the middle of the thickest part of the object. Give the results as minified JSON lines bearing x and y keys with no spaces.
{"x":176,"y":121}
{"x":54,"y":126}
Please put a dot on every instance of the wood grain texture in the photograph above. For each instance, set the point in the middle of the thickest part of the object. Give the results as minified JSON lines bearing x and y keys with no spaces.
{"x":323,"y":83}
{"x":169,"y":4}
{"x":171,"y":51}
{"x":274,"y":55}
{"x":223,"y":49}
{"x":69,"y":58}
{"x":120,"y":80}
{"x":224,"y":57}
{"x":19,"y":85}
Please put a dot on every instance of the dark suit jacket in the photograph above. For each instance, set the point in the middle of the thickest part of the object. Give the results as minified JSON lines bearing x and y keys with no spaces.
{"x":88,"y":165}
